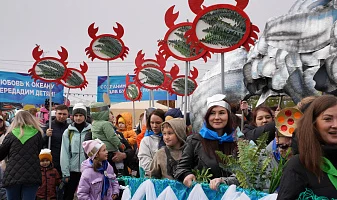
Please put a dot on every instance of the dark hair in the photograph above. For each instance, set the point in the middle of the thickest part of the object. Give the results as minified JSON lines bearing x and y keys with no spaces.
{"x":61,"y":107}
{"x":210,"y":146}
{"x":257,"y":109}
{"x":309,"y":139}
{"x":158,"y":112}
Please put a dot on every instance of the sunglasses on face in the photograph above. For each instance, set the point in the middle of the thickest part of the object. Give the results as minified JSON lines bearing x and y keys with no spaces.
{"x":283,"y":146}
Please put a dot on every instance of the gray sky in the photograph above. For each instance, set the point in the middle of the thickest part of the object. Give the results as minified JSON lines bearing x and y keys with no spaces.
{"x":56,"y":23}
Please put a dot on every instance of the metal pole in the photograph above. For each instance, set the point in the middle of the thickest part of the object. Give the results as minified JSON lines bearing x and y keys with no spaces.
{"x":186,"y":76}
{"x":188,"y":98}
{"x":152,"y":98}
{"x":50,"y":102}
{"x":68,"y":95}
{"x":108,"y":79}
{"x":167,"y":100}
{"x":133,"y":113}
{"x":242,"y":119}
{"x":149,"y":98}
{"x":223,"y":73}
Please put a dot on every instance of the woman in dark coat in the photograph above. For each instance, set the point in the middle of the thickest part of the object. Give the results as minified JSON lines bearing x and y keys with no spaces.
{"x":263,"y":121}
{"x":216,"y":135}
{"x":22,"y":146}
{"x":315,"y":166}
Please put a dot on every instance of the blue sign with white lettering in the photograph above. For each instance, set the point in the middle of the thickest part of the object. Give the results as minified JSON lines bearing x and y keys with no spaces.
{"x":117,"y":87}
{"x":21,"y":88}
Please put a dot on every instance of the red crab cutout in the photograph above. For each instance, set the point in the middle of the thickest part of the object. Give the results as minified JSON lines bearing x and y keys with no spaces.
{"x":167,"y":81}
{"x":222,"y":27}
{"x":175,"y":44}
{"x":177,"y":85}
{"x":106,"y":46}
{"x":132,"y":91}
{"x":150,"y":73}
{"x":49,"y":69}
{"x":76,"y":78}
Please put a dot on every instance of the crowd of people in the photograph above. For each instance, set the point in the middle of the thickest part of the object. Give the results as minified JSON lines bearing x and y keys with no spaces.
{"x":86,"y":157}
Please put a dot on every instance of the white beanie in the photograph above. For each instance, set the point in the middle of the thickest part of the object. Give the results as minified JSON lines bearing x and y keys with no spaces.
{"x":80,"y":108}
{"x":218,"y":100}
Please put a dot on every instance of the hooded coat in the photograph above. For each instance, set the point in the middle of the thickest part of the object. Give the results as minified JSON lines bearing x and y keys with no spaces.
{"x":91,"y":183}
{"x":128,"y":133}
{"x":161,"y":164}
{"x":103,"y":129}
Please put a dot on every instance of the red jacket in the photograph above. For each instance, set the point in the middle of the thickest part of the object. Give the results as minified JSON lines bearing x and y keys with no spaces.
{"x":50,"y":179}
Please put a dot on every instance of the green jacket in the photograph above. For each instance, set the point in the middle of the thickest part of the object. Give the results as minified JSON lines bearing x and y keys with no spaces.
{"x":104,"y":131}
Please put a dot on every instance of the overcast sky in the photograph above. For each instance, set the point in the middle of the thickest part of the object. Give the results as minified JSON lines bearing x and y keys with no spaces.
{"x":55,"y":23}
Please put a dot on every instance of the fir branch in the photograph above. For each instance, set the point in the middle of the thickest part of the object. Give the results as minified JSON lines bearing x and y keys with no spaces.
{"x":179,"y":86}
{"x":153,"y":76}
{"x":132,"y":91}
{"x":109,"y":46}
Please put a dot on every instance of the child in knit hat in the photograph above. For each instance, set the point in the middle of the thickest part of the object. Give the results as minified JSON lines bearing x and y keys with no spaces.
{"x":166,"y":159}
{"x":50,"y":177}
{"x":98,"y":180}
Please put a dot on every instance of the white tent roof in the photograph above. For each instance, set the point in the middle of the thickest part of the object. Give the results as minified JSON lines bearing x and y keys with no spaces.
{"x":140,"y":107}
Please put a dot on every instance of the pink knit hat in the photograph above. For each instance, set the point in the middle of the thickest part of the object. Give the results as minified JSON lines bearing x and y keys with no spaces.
{"x":91,"y":147}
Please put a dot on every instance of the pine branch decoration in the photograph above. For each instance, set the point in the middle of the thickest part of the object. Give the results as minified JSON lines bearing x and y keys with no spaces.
{"x":74,"y":79}
{"x":179,"y":86}
{"x":202,"y":176}
{"x":132,"y":91}
{"x":181,"y":44}
{"x":48,"y":69}
{"x":109,"y":46}
{"x":152,"y":77}
{"x":227,"y":27}
{"x":251,"y":166}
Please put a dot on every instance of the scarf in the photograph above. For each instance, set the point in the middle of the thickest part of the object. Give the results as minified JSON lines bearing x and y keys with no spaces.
{"x":28,"y":132}
{"x":212,"y":135}
{"x":150,"y":132}
{"x":276,"y":152}
{"x":328,"y":168}
{"x":106,"y":183}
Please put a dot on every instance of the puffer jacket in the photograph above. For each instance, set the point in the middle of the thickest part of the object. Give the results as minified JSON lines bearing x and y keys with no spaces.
{"x":103,"y":129}
{"x":91,"y":183}
{"x":195,"y":157}
{"x":50,"y":179}
{"x":128,"y":133}
{"x":72,"y":155}
{"x":23,"y":165}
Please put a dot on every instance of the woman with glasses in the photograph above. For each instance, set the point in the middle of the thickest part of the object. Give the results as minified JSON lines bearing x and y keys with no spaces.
{"x":314,"y":168}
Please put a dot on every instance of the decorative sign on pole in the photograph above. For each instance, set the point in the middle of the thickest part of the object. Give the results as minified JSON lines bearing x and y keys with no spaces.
{"x":106,"y":46}
{"x":51,"y":69}
{"x":175,"y":44}
{"x":222,"y":27}
{"x":150,"y":73}
{"x":132,"y":91}
{"x":177,"y":85}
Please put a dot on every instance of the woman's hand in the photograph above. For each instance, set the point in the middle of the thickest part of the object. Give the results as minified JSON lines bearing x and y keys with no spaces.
{"x":188,"y":180}
{"x":119,"y":157}
{"x":114,"y":196}
{"x":214,"y":183}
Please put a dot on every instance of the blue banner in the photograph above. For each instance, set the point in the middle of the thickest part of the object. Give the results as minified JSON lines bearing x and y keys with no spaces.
{"x":21,"y":88}
{"x":117,"y":87}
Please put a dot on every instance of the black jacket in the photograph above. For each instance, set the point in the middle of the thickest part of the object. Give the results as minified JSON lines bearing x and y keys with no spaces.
{"x":252,"y":132}
{"x":195,"y":157}
{"x":296,"y":178}
{"x":56,"y":141}
{"x":23,"y":166}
